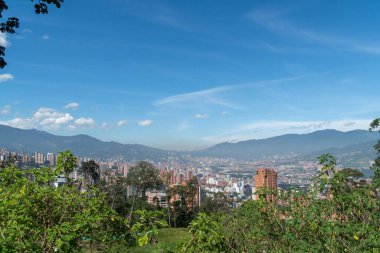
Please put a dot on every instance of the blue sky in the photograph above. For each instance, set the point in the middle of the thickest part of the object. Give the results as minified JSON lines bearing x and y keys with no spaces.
{"x":188,"y":74}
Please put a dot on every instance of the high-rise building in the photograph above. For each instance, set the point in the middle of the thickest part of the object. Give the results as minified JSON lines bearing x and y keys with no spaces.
{"x":26,"y":159}
{"x":51,"y":158}
{"x":266,"y":179}
{"x":189,"y":175}
{"x":172,"y":178}
{"x":39,"y":158}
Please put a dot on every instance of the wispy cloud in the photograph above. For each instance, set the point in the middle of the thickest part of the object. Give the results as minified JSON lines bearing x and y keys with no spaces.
{"x":184,"y":125}
{"x":213,"y":95}
{"x":200,"y":116}
{"x":121,"y":123}
{"x":6,"y":77}
{"x":146,"y":122}
{"x":208,"y":96}
{"x":155,"y":12}
{"x":274,"y":21}
{"x":72,"y":106}
{"x":105,"y":126}
{"x":5,"y":110}
{"x":45,"y":37}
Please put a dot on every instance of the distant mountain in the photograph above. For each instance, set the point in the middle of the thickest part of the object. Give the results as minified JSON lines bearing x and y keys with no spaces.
{"x":82,"y":145}
{"x":354,"y":146}
{"x":356,"y":155}
{"x":297,"y":144}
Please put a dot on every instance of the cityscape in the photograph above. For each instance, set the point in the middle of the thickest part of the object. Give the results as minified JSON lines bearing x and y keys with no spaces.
{"x":227,"y":175}
{"x":165,"y":126}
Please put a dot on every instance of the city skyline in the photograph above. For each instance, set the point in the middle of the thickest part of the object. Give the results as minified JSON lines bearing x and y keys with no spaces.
{"x":169,"y":75}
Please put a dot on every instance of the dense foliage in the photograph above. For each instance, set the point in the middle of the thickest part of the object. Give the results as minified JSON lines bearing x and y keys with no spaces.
{"x":38,"y":217}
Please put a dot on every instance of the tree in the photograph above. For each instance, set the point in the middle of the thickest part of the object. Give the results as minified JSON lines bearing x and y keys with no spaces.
{"x":37,"y":217}
{"x":12,"y":23}
{"x":66,"y":163}
{"x":147,"y":225}
{"x":10,"y":161}
{"x":205,"y":235}
{"x":116,"y":193}
{"x":185,"y":202}
{"x":90,"y":172}
{"x":375,"y":124}
{"x":328,"y":162}
{"x":217,"y":204}
{"x":143,"y":176}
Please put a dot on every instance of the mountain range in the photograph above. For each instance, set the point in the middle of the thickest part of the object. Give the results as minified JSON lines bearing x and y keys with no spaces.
{"x":357,"y":143}
{"x":304,"y":145}
{"x":32,"y":140}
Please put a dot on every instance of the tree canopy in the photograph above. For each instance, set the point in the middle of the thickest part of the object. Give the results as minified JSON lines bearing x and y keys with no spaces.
{"x":144,"y":176}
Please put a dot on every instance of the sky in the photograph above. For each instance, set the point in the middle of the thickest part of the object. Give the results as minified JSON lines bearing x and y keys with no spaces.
{"x":185,"y":75}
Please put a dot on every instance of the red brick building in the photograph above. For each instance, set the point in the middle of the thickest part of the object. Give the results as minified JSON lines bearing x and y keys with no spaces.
{"x":266,"y":179}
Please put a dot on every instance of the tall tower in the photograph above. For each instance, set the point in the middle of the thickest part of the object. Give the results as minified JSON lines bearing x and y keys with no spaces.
{"x":266,"y":179}
{"x":39,"y":158}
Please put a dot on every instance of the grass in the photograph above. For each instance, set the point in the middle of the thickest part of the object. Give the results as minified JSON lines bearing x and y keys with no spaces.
{"x":168,"y":241}
{"x":167,"y":237}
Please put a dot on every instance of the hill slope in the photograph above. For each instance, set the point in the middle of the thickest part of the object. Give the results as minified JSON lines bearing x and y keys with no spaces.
{"x":298,"y":144}
{"x":82,"y":145}
{"x":357,"y":143}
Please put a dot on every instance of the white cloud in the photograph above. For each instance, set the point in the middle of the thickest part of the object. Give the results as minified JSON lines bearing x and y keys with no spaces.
{"x":5,"y":110}
{"x":3,"y":40}
{"x":51,"y":118}
{"x":224,"y":113}
{"x":201,"y":116}
{"x":45,"y":37}
{"x":72,"y":106}
{"x":5,"y":77}
{"x":146,"y":122}
{"x":122,"y":123}
{"x":84,"y":121}
{"x":19,"y":123}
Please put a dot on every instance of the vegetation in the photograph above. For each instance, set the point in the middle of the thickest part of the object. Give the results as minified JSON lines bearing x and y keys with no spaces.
{"x":375,"y":125}
{"x":37,"y":217}
{"x":147,"y":225}
{"x":339,"y":213}
{"x":91,"y":172}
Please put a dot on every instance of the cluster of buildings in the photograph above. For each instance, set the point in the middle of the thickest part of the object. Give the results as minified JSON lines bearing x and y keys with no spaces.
{"x":239,"y":180}
{"x":33,"y":160}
